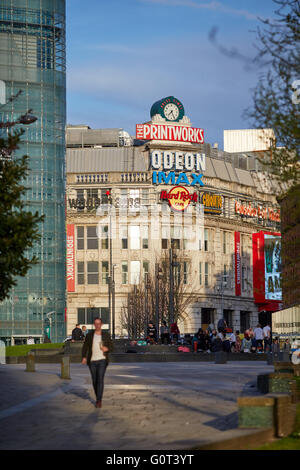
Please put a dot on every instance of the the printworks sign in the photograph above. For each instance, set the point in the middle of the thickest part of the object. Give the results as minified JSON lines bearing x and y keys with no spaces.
{"x":169,"y":132}
{"x":174,"y":167}
{"x":169,"y":123}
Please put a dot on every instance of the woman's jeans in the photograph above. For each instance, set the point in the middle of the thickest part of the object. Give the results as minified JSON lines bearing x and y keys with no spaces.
{"x":98,"y":369}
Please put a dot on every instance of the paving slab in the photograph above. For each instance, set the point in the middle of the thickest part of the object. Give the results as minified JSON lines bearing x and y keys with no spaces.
{"x":145,"y":406}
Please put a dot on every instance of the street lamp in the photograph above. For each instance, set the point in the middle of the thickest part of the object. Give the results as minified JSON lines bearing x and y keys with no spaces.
{"x":172,"y":265}
{"x":48,"y":316}
{"x":113,"y":292}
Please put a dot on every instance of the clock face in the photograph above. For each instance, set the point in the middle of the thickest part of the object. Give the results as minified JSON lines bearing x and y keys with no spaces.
{"x":171,"y":112}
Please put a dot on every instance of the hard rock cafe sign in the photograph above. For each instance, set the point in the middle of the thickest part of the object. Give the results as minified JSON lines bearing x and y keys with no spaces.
{"x":179,"y":198}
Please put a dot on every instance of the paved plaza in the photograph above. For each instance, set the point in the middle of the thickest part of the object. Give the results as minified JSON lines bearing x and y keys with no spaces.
{"x":145,"y":405}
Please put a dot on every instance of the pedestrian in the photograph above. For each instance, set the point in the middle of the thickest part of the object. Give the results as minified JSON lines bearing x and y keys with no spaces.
{"x":238,"y":342}
{"x":174,"y":330}
{"x":246,"y":343}
{"x":232,"y":340}
{"x":151,"y":333}
{"x":222,"y":325}
{"x":95,"y":351}
{"x":164,"y":333}
{"x":84,"y":331}
{"x":259,"y":336}
{"x":207,"y":343}
{"x":77,"y":334}
{"x":267,"y":335}
{"x":226,"y":344}
{"x":268,"y":342}
{"x":287,"y":346}
{"x":201,"y":339}
{"x":276,"y":348}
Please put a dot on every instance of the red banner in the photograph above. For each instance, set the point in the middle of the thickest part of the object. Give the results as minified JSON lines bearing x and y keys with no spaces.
{"x":70,"y":258}
{"x":169,"y":132}
{"x":238,"y":267}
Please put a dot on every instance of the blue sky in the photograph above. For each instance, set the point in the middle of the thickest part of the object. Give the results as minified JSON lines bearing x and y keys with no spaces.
{"x":123,"y":55}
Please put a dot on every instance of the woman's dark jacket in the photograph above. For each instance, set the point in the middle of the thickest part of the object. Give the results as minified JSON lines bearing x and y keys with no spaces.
{"x":87,"y":347}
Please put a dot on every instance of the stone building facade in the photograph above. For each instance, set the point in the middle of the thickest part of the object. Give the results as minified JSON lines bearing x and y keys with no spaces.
{"x":229,"y":195}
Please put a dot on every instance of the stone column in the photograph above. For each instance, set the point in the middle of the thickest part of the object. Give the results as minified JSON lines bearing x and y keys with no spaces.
{"x":65,"y":368}
{"x":236,"y":320}
{"x":30,"y":362}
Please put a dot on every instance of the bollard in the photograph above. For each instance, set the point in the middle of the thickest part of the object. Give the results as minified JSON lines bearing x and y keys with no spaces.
{"x":220,"y":357}
{"x":65,"y":368}
{"x":30,"y":362}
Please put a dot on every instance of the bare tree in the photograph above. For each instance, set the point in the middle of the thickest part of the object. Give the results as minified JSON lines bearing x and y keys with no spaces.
{"x":140,"y":307}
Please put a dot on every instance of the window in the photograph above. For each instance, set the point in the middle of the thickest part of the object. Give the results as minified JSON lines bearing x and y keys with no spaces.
{"x":80,"y":238}
{"x":206,"y":275}
{"x":185,"y":272}
{"x":225,"y":277}
{"x":104,"y":237}
{"x":134,"y":199}
{"x":175,"y":237}
{"x":81,"y":318}
{"x":145,"y":197}
{"x":145,"y":236}
{"x":93,"y":273}
{"x":146,"y":268}
{"x":164,"y":244}
{"x":134,"y":237}
{"x":92,"y":238}
{"x":80,"y":198}
{"x":224,"y":242}
{"x":124,"y":272}
{"x":165,"y":235}
{"x":80,"y":272}
{"x":123,"y":198}
{"x":206,"y":239}
{"x":200,"y":273}
{"x":124,"y":237}
{"x":177,"y":269}
{"x":92,"y":193}
{"x":104,"y":196}
{"x":135,"y":269}
{"x":86,"y":316}
{"x":104,"y":272}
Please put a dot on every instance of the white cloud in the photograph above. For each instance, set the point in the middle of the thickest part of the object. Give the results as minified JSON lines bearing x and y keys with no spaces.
{"x":214,"y":6}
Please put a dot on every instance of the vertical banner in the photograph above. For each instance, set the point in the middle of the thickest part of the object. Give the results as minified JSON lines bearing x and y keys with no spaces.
{"x":70,"y":258}
{"x":237,"y":253}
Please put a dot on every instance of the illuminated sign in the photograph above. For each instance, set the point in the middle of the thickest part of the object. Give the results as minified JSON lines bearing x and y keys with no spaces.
{"x":267,"y":269}
{"x":160,"y":177}
{"x":237,"y":256}
{"x":179,"y":198}
{"x":175,"y":133}
{"x":272,"y":254}
{"x":179,"y":161}
{"x":212,"y":203}
{"x":266,"y":213}
{"x":70,"y":258}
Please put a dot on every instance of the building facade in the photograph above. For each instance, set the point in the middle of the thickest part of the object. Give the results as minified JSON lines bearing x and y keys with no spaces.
{"x":226,"y":199}
{"x":32,"y":59}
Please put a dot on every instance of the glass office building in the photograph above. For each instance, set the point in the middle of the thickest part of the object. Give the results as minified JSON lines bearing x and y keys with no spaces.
{"x":32,"y":59}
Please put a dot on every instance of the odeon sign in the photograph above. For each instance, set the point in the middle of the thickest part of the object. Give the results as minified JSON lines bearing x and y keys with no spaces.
{"x":194,"y":163}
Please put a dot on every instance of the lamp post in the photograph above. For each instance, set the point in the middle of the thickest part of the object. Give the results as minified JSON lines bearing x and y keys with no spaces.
{"x":158,"y":270}
{"x":172,"y":264}
{"x":113,"y":303}
{"x":48,"y":316}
